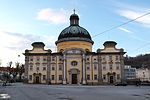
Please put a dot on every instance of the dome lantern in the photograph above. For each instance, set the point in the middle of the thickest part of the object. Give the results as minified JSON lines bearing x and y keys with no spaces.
{"x":74,"y":19}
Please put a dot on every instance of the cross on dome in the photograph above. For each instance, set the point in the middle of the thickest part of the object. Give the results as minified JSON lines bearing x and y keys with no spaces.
{"x":74,"y":11}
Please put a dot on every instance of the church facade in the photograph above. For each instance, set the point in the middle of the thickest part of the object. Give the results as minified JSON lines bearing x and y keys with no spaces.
{"x":74,"y":62}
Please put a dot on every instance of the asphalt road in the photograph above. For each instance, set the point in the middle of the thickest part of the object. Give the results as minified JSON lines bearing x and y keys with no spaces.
{"x":19,"y":91}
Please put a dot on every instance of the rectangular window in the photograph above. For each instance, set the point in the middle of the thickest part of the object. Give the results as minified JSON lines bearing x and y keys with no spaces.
{"x":44,"y":58}
{"x":31,"y":67}
{"x":53,"y":58}
{"x":88,"y":77}
{"x":117,"y":58}
{"x":60,"y":77}
{"x":60,"y":67}
{"x":95,"y":67}
{"x":53,"y":77}
{"x":37,"y":67}
{"x":30,"y":77}
{"x":95,"y":77}
{"x":44,"y":77}
{"x":110,"y":66}
{"x":103,"y":58}
{"x":104,"y":67}
{"x":44,"y":68}
{"x":118,"y":76}
{"x":110,"y":58}
{"x":37,"y":58}
{"x":104,"y":77}
{"x":60,"y":59}
{"x":117,"y":67}
{"x":53,"y":67}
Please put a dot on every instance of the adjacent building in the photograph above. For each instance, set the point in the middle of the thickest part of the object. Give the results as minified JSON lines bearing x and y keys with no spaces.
{"x":74,"y":62}
{"x":143,"y":74}
{"x":130,"y":73}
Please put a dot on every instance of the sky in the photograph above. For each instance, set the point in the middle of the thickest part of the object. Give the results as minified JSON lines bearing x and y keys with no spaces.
{"x":23,"y":22}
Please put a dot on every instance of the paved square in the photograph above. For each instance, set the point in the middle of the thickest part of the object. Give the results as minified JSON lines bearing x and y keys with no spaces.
{"x":19,"y":91}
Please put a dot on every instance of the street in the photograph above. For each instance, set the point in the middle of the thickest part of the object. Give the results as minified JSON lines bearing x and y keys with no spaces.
{"x":19,"y":91}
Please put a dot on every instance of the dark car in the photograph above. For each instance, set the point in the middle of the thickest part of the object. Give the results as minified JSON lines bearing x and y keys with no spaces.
{"x":121,"y":84}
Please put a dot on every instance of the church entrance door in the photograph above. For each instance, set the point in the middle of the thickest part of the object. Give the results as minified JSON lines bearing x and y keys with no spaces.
{"x":111,"y":79}
{"x":37,"y":80}
{"x":74,"y":78}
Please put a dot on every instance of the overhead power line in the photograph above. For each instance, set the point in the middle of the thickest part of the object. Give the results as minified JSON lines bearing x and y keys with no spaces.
{"x":121,"y":24}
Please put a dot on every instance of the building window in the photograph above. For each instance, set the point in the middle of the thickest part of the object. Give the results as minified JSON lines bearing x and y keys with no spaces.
{"x":110,"y":66}
{"x":104,"y":77}
{"x":110,"y":58}
{"x":117,"y":58}
{"x":30,"y":77}
{"x":53,"y":58}
{"x":31,"y":67}
{"x":88,"y":77}
{"x":60,"y":77}
{"x":44,"y":77}
{"x":103,"y":58}
{"x":37,"y":58}
{"x":60,"y":59}
{"x":53,"y":67}
{"x":44,"y":58}
{"x":37,"y":67}
{"x":88,"y":67}
{"x":60,"y":67}
{"x":44,"y":68}
{"x":95,"y":67}
{"x":118,"y":76}
{"x":74,"y":63}
{"x":94,"y":58}
{"x":104,"y":67}
{"x":117,"y":67}
{"x":95,"y":77}
{"x":53,"y":77}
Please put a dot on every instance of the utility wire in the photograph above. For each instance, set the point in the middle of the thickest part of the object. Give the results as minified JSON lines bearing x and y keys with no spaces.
{"x":121,"y":24}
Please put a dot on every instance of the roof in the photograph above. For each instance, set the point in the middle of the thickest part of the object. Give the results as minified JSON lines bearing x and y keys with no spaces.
{"x":74,"y":32}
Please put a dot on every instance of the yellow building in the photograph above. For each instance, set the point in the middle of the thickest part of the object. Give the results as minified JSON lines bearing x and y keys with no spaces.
{"x":74,"y":62}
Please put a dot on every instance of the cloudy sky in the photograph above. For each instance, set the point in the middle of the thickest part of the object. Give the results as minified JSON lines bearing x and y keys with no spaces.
{"x":23,"y":22}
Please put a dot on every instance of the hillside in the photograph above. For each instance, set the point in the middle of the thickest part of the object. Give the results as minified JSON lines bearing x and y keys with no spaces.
{"x":138,"y":61}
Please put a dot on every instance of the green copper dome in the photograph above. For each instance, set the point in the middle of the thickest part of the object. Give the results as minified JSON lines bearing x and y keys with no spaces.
{"x":74,"y":32}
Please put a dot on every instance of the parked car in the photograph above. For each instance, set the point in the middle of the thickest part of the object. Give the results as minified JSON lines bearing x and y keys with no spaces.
{"x":121,"y":84}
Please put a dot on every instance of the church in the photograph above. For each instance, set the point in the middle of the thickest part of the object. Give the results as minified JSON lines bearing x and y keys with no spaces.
{"x":74,"y":62}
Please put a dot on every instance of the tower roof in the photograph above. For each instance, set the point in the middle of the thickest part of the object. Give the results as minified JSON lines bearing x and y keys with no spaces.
{"x":74,"y":32}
